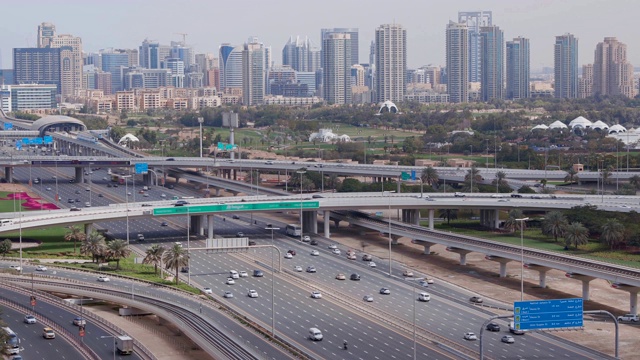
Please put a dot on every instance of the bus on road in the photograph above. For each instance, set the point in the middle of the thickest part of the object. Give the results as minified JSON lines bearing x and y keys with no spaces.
{"x":294,"y":230}
{"x":12,"y":345}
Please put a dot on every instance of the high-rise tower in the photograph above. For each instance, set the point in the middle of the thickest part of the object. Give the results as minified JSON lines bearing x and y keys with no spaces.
{"x":46,"y":33}
{"x":457,"y":62}
{"x":518,"y":65}
{"x":336,"y":65}
{"x":253,"y":73}
{"x":565,"y":56}
{"x":353,"y":34}
{"x":391,"y":62}
{"x":612,"y":73}
{"x":474,"y":21}
{"x":230,"y":59}
{"x":492,"y":60}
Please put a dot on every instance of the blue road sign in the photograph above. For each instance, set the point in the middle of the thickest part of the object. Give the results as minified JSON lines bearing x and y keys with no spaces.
{"x":37,"y":141}
{"x":48,"y":139}
{"x":18,"y":145}
{"x":220,"y":146}
{"x":142,"y":168}
{"x":8,"y":126}
{"x":548,"y":314}
{"x":413,"y":175}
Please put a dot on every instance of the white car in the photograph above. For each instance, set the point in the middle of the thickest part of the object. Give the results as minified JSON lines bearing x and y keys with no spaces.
{"x":316,"y":295}
{"x":252,"y":294}
{"x":372,"y":264}
{"x":407,"y":273}
{"x":426,"y":282}
{"x":234,"y":274}
{"x":315,"y":253}
{"x":16,"y":267}
{"x":41,"y":268}
{"x":470,"y":336}
{"x":227,"y":294}
{"x":30,"y":319}
{"x":243,"y":274}
{"x":230,"y":281}
{"x":297,"y":268}
{"x":311,"y":269}
{"x":368,"y":298}
{"x":333,"y":246}
{"x":385,"y":291}
{"x":207,"y":290}
{"x":306,"y":238}
{"x":336,"y":251}
{"x":288,"y":256}
{"x":103,"y":278}
{"x":628,"y":317}
{"x":508,"y":339}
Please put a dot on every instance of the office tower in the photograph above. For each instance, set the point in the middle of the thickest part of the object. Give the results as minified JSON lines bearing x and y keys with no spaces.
{"x":137,"y":77}
{"x":180,"y":50}
{"x":46,"y":33}
{"x":230,"y":59}
{"x":474,"y":21}
{"x":102,"y":81}
{"x":357,"y":75}
{"x":391,"y":62}
{"x":353,"y":32}
{"x":149,"y":56}
{"x":492,"y":61}
{"x":565,"y":61}
{"x":113,"y":61}
{"x":585,"y":82}
{"x":37,"y":66}
{"x":253,"y":73}
{"x":612,"y":73}
{"x":177,"y":71}
{"x":457,"y":72}
{"x":30,"y":96}
{"x":70,"y":62}
{"x":301,"y":55}
{"x":134,"y":56}
{"x":518,"y":69}
{"x":433,"y":74}
{"x":336,"y":68}
{"x":205,"y":63}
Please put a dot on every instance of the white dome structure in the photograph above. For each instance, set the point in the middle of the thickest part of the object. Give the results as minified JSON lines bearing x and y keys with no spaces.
{"x":128,"y":138}
{"x":599,"y":125}
{"x":557,"y":125}
{"x":580,"y":122}
{"x":540,"y":127}
{"x":617,"y":128}
{"x":388,"y":106}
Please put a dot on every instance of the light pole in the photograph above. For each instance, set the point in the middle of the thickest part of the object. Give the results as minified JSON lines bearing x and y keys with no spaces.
{"x":413,"y":287}
{"x":273,"y":319}
{"x":522,"y":256}
{"x":188,"y":247}
{"x":126,"y":190}
{"x":389,"y":214}
{"x":114,"y":343}
{"x":301,"y":172}
{"x":200,"y":121}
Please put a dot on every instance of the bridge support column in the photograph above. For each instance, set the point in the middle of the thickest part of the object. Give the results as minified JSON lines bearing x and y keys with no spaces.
{"x":217,"y":192}
{"x":201,"y":222}
{"x":496,"y":217}
{"x":79,"y":175}
{"x":585,"y":283}
{"x":209,"y":226}
{"x":431,"y":216}
{"x":411,"y":216}
{"x":503,"y":263}
{"x":427,"y":246}
{"x":235,"y":174}
{"x":146,"y":179}
{"x":542,"y":272}
{"x":87,"y":229}
{"x":394,"y":239}
{"x":310,"y":221}
{"x":8,"y":174}
{"x":336,"y":223}
{"x":633,"y":295}
{"x":462,"y":252}
{"x":327,"y":222}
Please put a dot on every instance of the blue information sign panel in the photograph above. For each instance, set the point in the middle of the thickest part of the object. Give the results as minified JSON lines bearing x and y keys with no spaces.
{"x":48,"y":139}
{"x":8,"y":126}
{"x":142,"y":168}
{"x":548,"y":314}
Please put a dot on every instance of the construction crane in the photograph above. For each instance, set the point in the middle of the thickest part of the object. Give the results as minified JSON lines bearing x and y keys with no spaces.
{"x":184,"y":37}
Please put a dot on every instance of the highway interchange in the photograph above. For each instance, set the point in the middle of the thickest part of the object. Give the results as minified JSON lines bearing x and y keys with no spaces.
{"x":337,"y":314}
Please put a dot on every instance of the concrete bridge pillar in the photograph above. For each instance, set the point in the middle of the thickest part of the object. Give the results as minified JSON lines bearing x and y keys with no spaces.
{"x":235,"y":174}
{"x":462,"y":252}
{"x":496,"y":219}
{"x":585,"y":283}
{"x":394,"y":239}
{"x":210,"y":226}
{"x":201,"y":223}
{"x":8,"y":174}
{"x":633,"y":295}
{"x":327,"y":221}
{"x":87,"y":229}
{"x":146,"y":179}
{"x":542,"y":271}
{"x":503,"y":263}
{"x":310,"y":221}
{"x":217,"y":192}
{"x":431,"y":216}
{"x":427,"y":245}
{"x":79,"y":175}
{"x":336,"y":223}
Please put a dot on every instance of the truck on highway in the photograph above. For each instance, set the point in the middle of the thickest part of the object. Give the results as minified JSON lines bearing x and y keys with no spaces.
{"x":124,"y":344}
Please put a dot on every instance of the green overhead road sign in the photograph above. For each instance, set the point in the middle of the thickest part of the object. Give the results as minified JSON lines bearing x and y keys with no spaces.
{"x":199,"y":209}
{"x":404,"y":176}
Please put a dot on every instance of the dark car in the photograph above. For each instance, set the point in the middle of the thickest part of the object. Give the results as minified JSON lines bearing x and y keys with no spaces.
{"x":236,"y":217}
{"x":493,"y":327}
{"x":171,"y":159}
{"x":292,"y":252}
{"x":313,"y":242}
{"x":516,"y":195}
{"x":367,"y":257}
{"x":258,"y":273}
{"x":73,"y":208}
{"x":70,"y":201}
{"x":355,"y":277}
{"x":181,"y":203}
{"x":184,"y":269}
{"x":252,"y":243}
{"x":317,"y":196}
{"x":476,"y":299}
{"x":164,"y":223}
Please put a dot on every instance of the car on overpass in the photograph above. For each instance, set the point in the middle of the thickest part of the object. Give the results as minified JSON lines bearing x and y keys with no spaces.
{"x":629,"y":317}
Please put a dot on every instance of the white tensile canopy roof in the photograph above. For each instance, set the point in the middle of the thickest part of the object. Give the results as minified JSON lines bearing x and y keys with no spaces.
{"x":617,"y":128}
{"x":599,"y":125}
{"x":557,"y":125}
{"x":540,"y":127}
{"x":581,"y":122}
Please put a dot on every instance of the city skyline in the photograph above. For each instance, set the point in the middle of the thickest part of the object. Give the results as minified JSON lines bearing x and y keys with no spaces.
{"x":540,"y":21}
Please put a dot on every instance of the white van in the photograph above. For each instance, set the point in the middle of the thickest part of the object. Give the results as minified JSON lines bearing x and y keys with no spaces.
{"x":423,"y":296}
{"x":234,"y":274}
{"x":5,"y":222}
{"x":315,"y":334}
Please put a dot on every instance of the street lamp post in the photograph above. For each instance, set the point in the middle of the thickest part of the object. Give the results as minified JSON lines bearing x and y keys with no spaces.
{"x":200,"y":121}
{"x":389,"y":214}
{"x":273,"y":319}
{"x":522,"y":256}
{"x":126,"y":190}
{"x":188,"y":247}
{"x":301,"y":172}
{"x":413,"y":287}
{"x":114,"y":343}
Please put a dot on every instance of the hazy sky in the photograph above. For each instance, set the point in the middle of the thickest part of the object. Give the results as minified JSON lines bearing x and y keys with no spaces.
{"x":126,"y":23}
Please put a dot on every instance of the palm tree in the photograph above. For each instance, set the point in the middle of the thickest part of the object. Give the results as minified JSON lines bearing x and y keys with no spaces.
{"x":449,"y":214}
{"x":573,"y":177}
{"x":93,"y":245}
{"x":430,"y":176}
{"x":117,"y":249}
{"x":635,"y":181}
{"x":612,"y":233}
{"x":576,"y":234}
{"x":605,"y":174}
{"x":472,"y":176}
{"x":154,"y":256}
{"x":511,"y":224}
{"x":554,"y":224}
{"x":75,"y":234}
{"x":175,"y":257}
